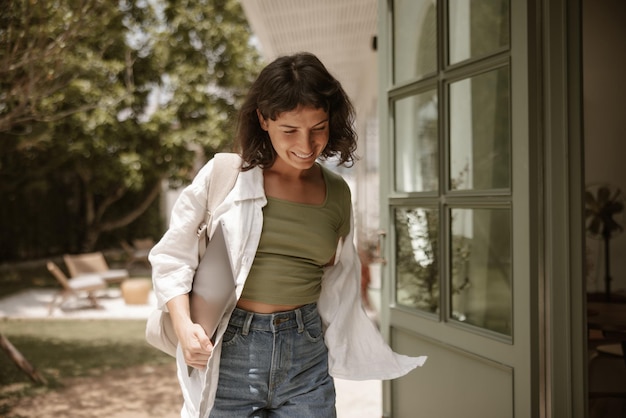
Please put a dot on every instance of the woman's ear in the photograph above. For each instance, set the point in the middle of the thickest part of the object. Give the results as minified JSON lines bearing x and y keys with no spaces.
{"x":262,"y":120}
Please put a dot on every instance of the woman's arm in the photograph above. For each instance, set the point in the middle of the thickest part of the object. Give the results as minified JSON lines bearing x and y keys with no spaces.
{"x":174,"y":260}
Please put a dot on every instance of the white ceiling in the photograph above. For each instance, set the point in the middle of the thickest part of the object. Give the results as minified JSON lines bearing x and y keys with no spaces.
{"x":339,"y":32}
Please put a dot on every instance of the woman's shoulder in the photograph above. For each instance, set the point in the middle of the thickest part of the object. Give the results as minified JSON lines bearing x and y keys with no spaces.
{"x":333,"y":178}
{"x":338,"y":188}
{"x":336,"y":184}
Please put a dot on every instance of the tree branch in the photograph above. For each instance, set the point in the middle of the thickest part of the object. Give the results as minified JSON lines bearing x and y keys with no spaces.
{"x":136,"y":212}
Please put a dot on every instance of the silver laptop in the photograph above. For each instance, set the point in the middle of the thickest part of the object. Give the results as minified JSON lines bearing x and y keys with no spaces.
{"x":213,"y":289}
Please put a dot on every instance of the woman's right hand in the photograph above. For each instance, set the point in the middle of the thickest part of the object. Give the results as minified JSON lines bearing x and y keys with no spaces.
{"x":195,"y":344}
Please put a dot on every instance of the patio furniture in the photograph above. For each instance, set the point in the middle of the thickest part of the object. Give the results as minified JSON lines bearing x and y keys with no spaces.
{"x":136,"y":291}
{"x":93,"y":263}
{"x":20,"y":361}
{"x":75,"y":288}
{"x":139,"y":251}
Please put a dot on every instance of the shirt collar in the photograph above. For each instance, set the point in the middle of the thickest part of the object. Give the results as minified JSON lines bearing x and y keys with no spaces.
{"x":250,"y":185}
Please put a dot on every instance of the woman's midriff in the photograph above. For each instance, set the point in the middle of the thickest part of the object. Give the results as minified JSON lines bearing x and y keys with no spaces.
{"x":264,"y":308}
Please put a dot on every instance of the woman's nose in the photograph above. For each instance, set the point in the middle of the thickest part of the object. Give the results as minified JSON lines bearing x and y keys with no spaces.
{"x":307,"y":140}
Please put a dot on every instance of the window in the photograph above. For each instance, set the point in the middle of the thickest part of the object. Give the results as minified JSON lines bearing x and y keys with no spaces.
{"x":451,"y":195}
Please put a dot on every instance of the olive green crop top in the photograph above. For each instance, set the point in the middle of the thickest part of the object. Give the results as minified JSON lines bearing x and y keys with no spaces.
{"x":297,"y":240}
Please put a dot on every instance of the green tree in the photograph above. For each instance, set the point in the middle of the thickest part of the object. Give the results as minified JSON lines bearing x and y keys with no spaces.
{"x":111,"y":98}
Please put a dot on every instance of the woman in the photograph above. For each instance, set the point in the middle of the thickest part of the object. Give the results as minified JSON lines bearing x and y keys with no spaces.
{"x":288,"y":225}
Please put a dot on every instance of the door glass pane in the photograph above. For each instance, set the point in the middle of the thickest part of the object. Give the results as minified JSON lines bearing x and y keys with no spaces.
{"x":414,"y":39}
{"x":477,"y":28}
{"x":480,"y":144}
{"x":417,"y":146}
{"x":481,"y":282}
{"x":417,"y":258}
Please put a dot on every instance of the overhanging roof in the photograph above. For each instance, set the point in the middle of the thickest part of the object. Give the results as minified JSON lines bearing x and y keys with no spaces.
{"x":339,"y":32}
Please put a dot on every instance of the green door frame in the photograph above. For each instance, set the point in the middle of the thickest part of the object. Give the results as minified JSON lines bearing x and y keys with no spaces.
{"x":557,"y":121}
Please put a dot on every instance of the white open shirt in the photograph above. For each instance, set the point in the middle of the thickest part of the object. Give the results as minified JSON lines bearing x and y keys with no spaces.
{"x":357,"y":351}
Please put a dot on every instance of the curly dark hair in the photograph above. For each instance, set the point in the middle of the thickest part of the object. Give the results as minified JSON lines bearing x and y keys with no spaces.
{"x":288,"y":82}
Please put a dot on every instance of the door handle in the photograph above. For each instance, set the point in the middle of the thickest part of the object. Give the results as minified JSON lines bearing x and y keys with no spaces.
{"x":380,"y":248}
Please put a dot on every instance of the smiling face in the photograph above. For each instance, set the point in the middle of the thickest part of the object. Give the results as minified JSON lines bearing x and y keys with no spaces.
{"x":298,"y":136}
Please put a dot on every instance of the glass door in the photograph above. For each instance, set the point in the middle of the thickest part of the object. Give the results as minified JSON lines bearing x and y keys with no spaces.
{"x":455,"y":193}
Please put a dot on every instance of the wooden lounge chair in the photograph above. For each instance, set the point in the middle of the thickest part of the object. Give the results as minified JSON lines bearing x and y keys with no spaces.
{"x":139,"y":251}
{"x":93,"y":263}
{"x":75,"y":287}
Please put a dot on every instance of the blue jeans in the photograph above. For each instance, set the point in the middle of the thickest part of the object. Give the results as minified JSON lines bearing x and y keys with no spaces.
{"x":275,"y":365}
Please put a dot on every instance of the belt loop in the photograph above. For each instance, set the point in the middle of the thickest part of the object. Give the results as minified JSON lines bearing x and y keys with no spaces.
{"x":246,"y":323}
{"x":300,"y":321}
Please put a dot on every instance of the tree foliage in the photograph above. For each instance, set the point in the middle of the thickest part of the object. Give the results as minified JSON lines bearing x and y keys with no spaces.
{"x":110,"y":98}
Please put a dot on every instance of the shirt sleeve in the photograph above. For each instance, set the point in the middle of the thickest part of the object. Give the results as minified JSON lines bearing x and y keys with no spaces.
{"x":356,"y":348}
{"x":175,"y":257}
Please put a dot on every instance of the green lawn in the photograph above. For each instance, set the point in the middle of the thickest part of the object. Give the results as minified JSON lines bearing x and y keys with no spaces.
{"x":60,"y":349}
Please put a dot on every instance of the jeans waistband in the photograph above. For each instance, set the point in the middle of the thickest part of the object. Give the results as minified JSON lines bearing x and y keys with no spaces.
{"x":274,"y":322}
